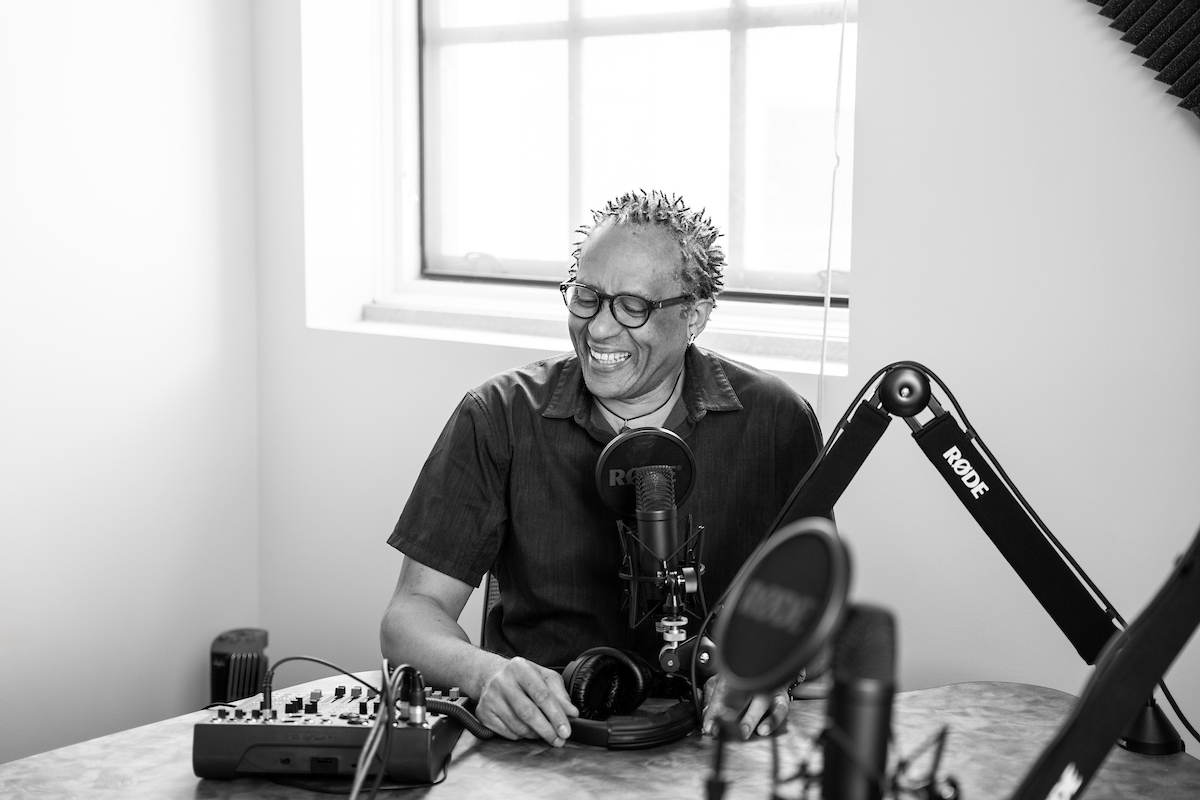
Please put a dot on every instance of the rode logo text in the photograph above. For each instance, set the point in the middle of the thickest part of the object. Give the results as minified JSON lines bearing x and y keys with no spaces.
{"x":776,"y":606}
{"x":963,"y":469}
{"x":622,"y":477}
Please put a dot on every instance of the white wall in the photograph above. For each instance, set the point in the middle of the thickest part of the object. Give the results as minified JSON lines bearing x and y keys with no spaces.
{"x":996,"y":239}
{"x":1025,"y":224}
{"x":128,"y":501}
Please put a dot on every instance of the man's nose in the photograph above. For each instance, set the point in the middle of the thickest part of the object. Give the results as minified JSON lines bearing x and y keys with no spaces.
{"x":604,"y":324}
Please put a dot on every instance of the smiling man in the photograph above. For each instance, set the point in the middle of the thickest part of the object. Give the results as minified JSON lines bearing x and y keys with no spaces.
{"x":509,"y":486}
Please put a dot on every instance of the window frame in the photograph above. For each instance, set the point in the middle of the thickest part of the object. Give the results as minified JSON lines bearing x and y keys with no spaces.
{"x":738,"y":18}
{"x":362,"y":215}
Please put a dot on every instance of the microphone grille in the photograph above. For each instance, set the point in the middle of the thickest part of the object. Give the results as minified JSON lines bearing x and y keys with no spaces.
{"x":866,"y":647}
{"x":654,"y":486}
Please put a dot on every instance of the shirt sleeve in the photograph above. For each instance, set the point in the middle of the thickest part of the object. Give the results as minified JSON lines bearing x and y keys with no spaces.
{"x":456,"y":516}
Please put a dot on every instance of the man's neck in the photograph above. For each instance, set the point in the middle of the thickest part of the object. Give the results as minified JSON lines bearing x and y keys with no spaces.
{"x":647,"y":404}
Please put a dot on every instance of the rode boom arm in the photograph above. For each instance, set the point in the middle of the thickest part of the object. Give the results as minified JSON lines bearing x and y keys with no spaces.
{"x":960,"y":457}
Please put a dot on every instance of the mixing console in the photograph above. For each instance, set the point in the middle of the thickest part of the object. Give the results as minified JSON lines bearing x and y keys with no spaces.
{"x":321,"y":733}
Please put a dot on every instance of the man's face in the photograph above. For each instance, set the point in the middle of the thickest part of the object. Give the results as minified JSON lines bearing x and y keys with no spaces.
{"x":620,"y":363}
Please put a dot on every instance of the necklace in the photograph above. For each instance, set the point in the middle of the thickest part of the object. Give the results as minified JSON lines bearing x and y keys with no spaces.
{"x":626,"y":420}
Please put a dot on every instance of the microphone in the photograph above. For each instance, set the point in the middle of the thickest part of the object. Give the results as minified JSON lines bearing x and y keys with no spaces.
{"x":657,"y":516}
{"x":647,"y":473}
{"x":784,"y":605}
{"x":860,"y":706}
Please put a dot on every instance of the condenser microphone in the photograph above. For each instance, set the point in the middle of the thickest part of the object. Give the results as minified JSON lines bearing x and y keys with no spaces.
{"x":646,"y":475}
{"x":860,"y":706}
{"x":784,"y":605}
{"x":654,"y":508}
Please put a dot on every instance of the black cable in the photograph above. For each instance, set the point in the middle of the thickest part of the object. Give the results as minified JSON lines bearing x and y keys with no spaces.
{"x":1167,"y":694}
{"x":269,"y":677}
{"x":466,"y":718}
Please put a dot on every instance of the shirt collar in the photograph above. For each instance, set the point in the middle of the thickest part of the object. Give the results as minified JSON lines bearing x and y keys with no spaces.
{"x":705,"y":388}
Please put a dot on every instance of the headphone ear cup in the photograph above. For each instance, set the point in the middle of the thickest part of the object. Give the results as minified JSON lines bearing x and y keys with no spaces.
{"x":604,"y":681}
{"x":633,"y":687}
{"x":589,"y":681}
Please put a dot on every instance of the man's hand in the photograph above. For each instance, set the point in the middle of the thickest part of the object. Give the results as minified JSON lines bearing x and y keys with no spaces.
{"x":523,"y":700}
{"x":760,"y":713}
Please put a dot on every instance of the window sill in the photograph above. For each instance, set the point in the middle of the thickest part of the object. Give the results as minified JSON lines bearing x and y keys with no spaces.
{"x":775,"y":337}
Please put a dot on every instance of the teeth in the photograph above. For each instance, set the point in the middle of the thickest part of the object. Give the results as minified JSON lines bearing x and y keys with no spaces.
{"x":608,"y":358}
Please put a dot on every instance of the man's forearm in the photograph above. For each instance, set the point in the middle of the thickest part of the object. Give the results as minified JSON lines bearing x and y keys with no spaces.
{"x":417,"y":631}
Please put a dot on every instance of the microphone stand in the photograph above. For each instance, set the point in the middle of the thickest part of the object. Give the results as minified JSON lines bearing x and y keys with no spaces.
{"x":646,"y":577}
{"x":974,"y":475}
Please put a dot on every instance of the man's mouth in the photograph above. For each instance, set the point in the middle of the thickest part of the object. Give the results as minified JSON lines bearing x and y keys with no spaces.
{"x":608,"y":358}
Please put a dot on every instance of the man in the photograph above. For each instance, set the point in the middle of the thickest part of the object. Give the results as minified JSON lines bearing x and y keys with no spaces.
{"x":509,"y":486}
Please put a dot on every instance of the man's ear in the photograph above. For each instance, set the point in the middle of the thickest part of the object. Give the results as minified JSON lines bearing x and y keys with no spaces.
{"x":698,"y":318}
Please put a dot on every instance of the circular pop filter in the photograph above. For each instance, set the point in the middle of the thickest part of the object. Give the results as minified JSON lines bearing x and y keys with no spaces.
{"x":642,"y":447}
{"x":786,"y":602}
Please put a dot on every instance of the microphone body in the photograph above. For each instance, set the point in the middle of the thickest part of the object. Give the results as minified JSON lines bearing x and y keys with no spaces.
{"x":860,"y":706}
{"x":657,"y":516}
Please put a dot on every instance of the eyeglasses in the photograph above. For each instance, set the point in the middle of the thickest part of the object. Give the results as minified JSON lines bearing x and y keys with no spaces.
{"x":628,"y":309}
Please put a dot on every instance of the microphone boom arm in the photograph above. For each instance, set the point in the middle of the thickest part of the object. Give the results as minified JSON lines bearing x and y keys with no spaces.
{"x":960,"y":457}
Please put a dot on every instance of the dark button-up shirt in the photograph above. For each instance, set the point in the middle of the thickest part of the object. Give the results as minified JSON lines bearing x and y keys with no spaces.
{"x":509,"y":487}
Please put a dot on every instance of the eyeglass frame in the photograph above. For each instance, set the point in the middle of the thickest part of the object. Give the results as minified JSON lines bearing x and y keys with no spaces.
{"x":653,"y":304}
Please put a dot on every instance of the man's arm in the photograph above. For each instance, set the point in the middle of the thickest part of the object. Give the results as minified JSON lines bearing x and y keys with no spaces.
{"x":516,"y":698}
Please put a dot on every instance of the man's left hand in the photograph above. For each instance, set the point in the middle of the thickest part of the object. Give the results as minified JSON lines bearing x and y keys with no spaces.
{"x":759,"y":713}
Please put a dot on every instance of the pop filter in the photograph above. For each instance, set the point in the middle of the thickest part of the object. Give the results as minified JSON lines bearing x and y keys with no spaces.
{"x":638,"y":448}
{"x":786,"y":602}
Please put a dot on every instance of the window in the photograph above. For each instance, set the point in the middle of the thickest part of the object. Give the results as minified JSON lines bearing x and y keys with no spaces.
{"x":395,"y":249}
{"x":535,"y":112}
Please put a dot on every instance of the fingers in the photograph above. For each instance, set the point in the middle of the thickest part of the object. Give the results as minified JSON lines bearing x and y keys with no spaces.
{"x":776,"y":714}
{"x":713,"y":703}
{"x":753,"y":714}
{"x":721,"y":704}
{"x":526,"y":701}
{"x":761,"y":714}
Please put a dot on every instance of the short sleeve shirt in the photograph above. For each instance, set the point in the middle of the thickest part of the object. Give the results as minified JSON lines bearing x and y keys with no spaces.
{"x":509,"y":487}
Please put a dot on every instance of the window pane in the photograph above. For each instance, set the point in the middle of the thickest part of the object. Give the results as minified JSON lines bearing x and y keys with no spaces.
{"x":791,"y":86}
{"x":656,"y":116}
{"x":472,"y":13}
{"x":624,"y":8}
{"x":496,"y":154}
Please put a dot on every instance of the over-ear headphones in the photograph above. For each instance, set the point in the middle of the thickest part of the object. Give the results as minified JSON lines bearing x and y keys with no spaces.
{"x":603,"y":682}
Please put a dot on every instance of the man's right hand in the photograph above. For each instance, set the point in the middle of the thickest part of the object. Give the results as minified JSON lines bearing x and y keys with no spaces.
{"x":523,"y":700}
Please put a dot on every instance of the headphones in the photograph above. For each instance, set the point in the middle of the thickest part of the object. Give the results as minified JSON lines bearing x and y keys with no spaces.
{"x":605,"y":682}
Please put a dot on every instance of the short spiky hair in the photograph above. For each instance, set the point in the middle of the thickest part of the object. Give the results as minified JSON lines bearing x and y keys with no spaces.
{"x":700,"y":259}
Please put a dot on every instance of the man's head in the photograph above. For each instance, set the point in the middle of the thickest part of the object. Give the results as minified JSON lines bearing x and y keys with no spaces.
{"x":655,"y":248}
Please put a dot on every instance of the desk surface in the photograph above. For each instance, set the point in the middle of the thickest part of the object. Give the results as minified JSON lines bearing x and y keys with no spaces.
{"x":996,"y":731}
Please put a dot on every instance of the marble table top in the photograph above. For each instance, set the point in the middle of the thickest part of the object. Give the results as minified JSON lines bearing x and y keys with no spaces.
{"x":995,"y":733}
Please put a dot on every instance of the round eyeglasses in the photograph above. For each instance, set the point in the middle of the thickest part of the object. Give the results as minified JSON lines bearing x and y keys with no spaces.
{"x":628,"y":309}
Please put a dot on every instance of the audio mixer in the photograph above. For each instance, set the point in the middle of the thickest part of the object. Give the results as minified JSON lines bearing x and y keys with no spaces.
{"x":322,"y":734}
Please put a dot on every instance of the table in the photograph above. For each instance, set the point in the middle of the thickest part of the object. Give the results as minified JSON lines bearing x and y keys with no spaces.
{"x":996,"y":730}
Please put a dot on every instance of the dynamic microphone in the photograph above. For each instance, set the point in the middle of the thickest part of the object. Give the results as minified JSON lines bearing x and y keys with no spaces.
{"x":785,"y":604}
{"x":860,"y":706}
